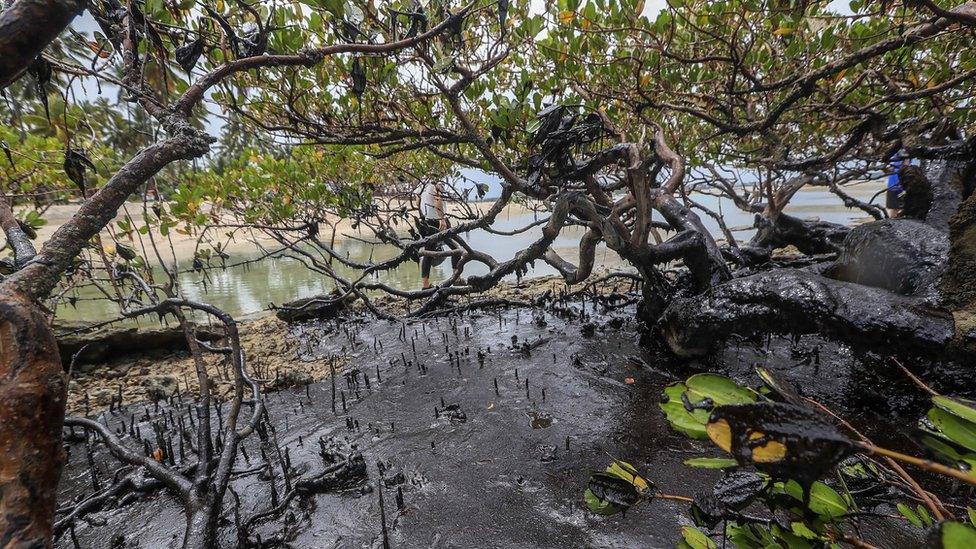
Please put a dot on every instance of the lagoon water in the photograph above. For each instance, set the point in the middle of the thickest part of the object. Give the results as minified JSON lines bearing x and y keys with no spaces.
{"x":248,"y":289}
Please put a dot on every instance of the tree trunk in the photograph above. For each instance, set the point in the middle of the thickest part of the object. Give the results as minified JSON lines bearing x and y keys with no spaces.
{"x":33,"y":385}
{"x":897,"y":256}
{"x":958,"y":284}
{"x":201,"y":523}
{"x":32,"y":400}
{"x":705,"y":261}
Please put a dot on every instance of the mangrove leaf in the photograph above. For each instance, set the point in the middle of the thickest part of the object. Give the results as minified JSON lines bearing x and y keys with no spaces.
{"x":615,"y":490}
{"x":953,"y":427}
{"x":686,"y":405}
{"x":824,"y":500}
{"x":711,"y":463}
{"x":784,"y":389}
{"x":785,"y":441}
{"x":719,"y":389}
{"x":953,"y":535}
{"x":961,"y":408}
{"x":612,"y":490}
{"x":693,"y":538}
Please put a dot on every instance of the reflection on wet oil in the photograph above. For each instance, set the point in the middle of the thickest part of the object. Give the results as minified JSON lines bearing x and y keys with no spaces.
{"x":539,"y":420}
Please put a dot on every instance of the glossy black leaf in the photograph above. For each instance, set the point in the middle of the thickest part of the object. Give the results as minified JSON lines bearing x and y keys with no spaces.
{"x":613,"y":489}
{"x":188,"y":54}
{"x":358,"y":75}
{"x":783,"y":440}
{"x":41,"y":71}
{"x":75,"y":163}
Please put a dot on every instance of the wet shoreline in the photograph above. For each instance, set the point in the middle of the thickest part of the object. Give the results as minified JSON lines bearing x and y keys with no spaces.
{"x":477,"y":464}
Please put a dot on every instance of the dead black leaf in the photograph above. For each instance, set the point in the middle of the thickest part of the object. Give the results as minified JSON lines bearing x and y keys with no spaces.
{"x":6,"y":151}
{"x":75,"y":162}
{"x":28,"y":230}
{"x":125,"y":252}
{"x":358,"y":78}
{"x":41,"y":71}
{"x":232,"y":38}
{"x":418,"y":21}
{"x":782,"y":440}
{"x":613,"y":489}
{"x":188,"y":54}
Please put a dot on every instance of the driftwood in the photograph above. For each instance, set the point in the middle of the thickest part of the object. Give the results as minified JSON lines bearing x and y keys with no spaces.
{"x":113,"y":342}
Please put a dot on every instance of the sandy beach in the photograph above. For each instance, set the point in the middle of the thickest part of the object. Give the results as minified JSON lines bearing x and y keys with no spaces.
{"x":184,"y":244}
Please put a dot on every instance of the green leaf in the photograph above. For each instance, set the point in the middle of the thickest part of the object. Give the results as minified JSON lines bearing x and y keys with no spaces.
{"x":336,"y":7}
{"x":947,"y":449}
{"x":958,"y":430}
{"x":961,"y":408}
{"x":711,"y":463}
{"x":923,"y":514}
{"x":720,"y":389}
{"x":696,"y":539}
{"x":803,"y":531}
{"x":956,"y":535}
{"x":824,"y":500}
{"x":692,"y":423}
{"x":972,"y":515}
{"x":627,"y":472}
{"x":907,"y":512}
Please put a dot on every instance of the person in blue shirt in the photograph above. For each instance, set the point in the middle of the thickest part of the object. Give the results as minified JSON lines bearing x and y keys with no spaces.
{"x":895,"y":195}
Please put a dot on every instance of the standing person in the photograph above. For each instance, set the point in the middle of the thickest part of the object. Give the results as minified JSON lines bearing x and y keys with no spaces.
{"x":894,"y":197}
{"x":432,"y":220}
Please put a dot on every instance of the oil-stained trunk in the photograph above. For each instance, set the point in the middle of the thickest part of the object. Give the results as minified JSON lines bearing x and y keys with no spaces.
{"x":32,"y":400}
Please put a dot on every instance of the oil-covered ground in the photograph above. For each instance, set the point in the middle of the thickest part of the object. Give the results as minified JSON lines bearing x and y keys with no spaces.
{"x":481,"y":431}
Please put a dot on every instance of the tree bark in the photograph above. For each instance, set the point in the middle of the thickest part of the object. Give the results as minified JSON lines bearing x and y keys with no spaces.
{"x":17,"y":239}
{"x":958,"y":285}
{"x":810,"y":237}
{"x":26,"y":28}
{"x":705,"y":261}
{"x":32,"y":400}
{"x":949,"y":180}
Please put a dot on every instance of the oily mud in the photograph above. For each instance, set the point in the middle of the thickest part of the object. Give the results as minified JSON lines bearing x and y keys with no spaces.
{"x":478,"y":430}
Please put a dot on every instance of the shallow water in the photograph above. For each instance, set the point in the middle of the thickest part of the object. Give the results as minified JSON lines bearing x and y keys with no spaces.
{"x":246,"y":289}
